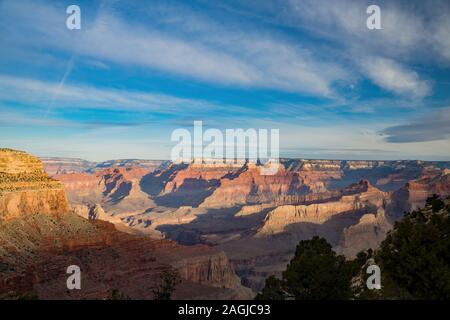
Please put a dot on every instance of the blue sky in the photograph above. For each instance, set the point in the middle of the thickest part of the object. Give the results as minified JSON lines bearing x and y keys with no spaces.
{"x":137,"y":70}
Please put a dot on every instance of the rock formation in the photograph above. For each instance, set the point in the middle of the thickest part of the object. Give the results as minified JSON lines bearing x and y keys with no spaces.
{"x":365,"y":198}
{"x":40,"y":237}
{"x":414,"y":194}
{"x":117,"y":190}
{"x":54,"y":165}
{"x":257,"y":220}
{"x":369,"y":232}
{"x":25,"y":188}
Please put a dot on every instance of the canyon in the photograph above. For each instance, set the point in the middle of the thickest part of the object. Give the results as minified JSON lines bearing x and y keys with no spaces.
{"x":41,"y":235}
{"x":255,"y":219}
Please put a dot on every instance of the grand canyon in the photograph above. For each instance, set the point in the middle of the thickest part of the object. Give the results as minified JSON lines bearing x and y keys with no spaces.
{"x":224,"y":227}
{"x":224,"y":150}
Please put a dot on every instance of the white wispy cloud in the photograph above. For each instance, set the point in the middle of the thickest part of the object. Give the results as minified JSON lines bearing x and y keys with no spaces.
{"x":394,"y":77}
{"x":12,"y":118}
{"x":43,"y":93}
{"x":441,"y":38}
{"x":246,"y":59}
{"x":52,"y":101}
{"x":406,"y":29}
{"x":409,"y":34}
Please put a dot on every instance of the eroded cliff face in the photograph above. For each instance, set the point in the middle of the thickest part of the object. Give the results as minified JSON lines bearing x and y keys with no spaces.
{"x":213,"y":270}
{"x":226,"y":185}
{"x":204,"y":185}
{"x":117,"y":190}
{"x":250,"y":186}
{"x":365,"y":198}
{"x":369,"y":232}
{"x":19,"y":203}
{"x":258,"y":220}
{"x":37,"y":250}
{"x":414,"y":194}
{"x":25,"y":188}
{"x":40,"y":237}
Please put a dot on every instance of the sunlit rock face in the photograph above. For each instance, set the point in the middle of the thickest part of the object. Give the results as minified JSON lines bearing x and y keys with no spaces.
{"x":40,"y":236}
{"x":25,"y":188}
{"x":117,"y":190}
{"x":365,"y":198}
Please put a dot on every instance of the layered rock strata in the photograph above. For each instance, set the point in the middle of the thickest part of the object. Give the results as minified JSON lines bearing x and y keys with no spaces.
{"x":40,"y":237}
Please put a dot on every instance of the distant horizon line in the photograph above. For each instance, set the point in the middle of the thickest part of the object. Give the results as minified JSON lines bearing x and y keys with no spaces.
{"x":281,"y":158}
{"x":430,"y":159}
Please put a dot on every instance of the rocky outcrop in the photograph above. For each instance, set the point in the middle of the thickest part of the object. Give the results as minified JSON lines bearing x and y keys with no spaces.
{"x":415,"y":193}
{"x":94,"y":212}
{"x":372,"y":228}
{"x":25,"y":188}
{"x":369,"y":232}
{"x":253,"y":209}
{"x":40,"y":238}
{"x":250,"y":186}
{"x":19,"y":203}
{"x":365,"y":198}
{"x":117,"y":190}
{"x":16,"y":162}
{"x":212,"y":270}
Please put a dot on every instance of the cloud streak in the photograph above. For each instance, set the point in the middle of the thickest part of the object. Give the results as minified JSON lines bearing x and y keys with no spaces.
{"x":409,"y":34}
{"x":396,"y":78}
{"x":43,"y":93}
{"x":135,"y":107}
{"x":432,"y":127}
{"x":246,"y":59}
{"x":406,"y":29}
